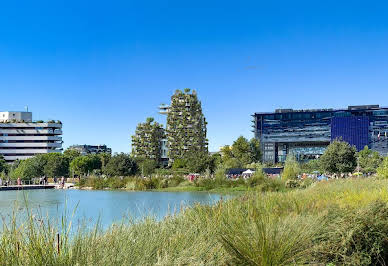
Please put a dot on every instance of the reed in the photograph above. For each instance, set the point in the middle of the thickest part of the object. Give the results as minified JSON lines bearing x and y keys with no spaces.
{"x":338,"y":222}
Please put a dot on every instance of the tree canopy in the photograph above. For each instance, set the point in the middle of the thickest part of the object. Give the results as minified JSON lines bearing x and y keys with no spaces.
{"x":369,"y":160}
{"x":241,"y":153}
{"x":382,"y":171}
{"x":121,"y":165}
{"x":339,"y":157}
{"x":3,"y":165}
{"x":84,"y":165}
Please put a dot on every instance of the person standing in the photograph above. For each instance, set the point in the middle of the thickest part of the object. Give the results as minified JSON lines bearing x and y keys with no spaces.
{"x":19,"y":181}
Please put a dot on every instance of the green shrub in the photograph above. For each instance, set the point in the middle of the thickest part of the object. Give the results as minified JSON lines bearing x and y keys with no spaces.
{"x":116,"y":183}
{"x":262,"y":239}
{"x":292,"y":183}
{"x":175,"y":180}
{"x":271,"y":185}
{"x":291,"y":168}
{"x":382,"y":171}
{"x":206,"y":183}
{"x":354,"y":237}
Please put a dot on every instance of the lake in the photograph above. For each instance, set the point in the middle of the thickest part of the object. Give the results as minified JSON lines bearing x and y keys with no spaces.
{"x":107,"y":206}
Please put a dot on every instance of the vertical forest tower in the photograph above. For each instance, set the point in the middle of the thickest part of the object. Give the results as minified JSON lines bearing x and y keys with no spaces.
{"x":186,"y":125}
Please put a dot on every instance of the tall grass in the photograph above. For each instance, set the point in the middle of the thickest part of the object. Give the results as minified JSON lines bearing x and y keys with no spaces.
{"x":339,"y":222}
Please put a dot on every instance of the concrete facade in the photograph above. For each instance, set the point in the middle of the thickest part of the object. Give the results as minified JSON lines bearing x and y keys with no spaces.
{"x":21,"y":138}
{"x":15,"y":116}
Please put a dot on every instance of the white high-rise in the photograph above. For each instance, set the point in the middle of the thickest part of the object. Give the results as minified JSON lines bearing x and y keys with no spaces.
{"x":22,"y":138}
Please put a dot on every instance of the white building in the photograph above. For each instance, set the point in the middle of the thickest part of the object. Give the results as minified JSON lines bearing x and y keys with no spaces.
{"x":22,"y":138}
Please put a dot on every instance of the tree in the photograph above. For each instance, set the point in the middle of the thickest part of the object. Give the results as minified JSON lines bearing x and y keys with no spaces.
{"x":311,"y":166}
{"x":56,"y":165}
{"x":291,"y":168}
{"x":121,"y":165}
{"x":40,"y":162}
{"x":232,"y":163}
{"x":71,"y":154}
{"x":255,"y":149}
{"x":179,"y":163}
{"x":226,"y":152}
{"x":200,"y":162}
{"x":3,"y":165}
{"x":241,"y":150}
{"x":29,"y":168}
{"x":382,"y":171}
{"x":84,"y":165}
{"x":339,"y":157}
{"x":186,"y":126}
{"x":147,"y":141}
{"x":104,"y":158}
{"x":146,"y":166}
{"x":25,"y":170}
{"x":369,"y":160}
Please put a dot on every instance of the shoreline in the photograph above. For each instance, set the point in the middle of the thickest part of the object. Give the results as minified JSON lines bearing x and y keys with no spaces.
{"x":172,"y":189}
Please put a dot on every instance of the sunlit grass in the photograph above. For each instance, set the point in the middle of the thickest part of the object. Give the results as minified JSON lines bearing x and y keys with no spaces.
{"x":339,"y":222}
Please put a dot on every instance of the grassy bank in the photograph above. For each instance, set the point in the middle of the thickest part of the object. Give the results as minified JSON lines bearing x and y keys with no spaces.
{"x":180,"y":184}
{"x":339,"y":222}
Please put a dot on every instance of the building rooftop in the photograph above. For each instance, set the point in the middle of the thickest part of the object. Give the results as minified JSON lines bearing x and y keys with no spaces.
{"x":15,"y":116}
{"x":350,"y":108}
{"x":22,"y":117}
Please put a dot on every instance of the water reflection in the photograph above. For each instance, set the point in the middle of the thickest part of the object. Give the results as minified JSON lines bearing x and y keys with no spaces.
{"x":107,"y":206}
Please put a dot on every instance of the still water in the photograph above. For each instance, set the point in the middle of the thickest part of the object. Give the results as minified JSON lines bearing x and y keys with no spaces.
{"x":106,"y":206}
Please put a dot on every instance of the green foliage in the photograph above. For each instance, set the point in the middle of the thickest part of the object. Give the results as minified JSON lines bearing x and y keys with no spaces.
{"x":241,"y":153}
{"x":344,"y":222}
{"x":311,"y":166}
{"x":146,"y":166}
{"x":121,"y":165}
{"x":71,"y":154}
{"x":49,"y":165}
{"x":232,"y":163}
{"x":84,"y":165}
{"x":241,"y":150}
{"x":186,"y":126}
{"x":3,"y":165}
{"x":369,"y":160}
{"x":104,"y":158}
{"x":355,"y":237}
{"x":176,"y":180}
{"x":291,"y":169}
{"x":105,"y":183}
{"x":56,"y":165}
{"x":200,"y":162}
{"x":179,"y":163}
{"x":339,"y":157}
{"x":24,"y":170}
{"x":226,"y":152}
{"x":258,"y":177}
{"x":146,"y":143}
{"x":382,"y":171}
{"x":255,"y":150}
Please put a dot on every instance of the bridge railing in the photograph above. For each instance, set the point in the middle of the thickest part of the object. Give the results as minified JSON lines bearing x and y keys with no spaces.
{"x":23,"y":182}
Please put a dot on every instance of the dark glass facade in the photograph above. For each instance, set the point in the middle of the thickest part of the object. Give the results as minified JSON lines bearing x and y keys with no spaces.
{"x":307,"y":133}
{"x":352,"y":129}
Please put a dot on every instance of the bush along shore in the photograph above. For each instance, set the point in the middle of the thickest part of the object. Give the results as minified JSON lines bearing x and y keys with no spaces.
{"x":180,"y":183}
{"x":338,"y":222}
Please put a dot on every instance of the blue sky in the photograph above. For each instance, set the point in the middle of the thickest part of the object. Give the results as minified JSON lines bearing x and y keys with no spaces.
{"x":103,"y":66}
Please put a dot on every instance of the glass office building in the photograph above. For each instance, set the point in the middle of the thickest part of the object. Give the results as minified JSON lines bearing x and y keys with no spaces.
{"x":307,"y":133}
